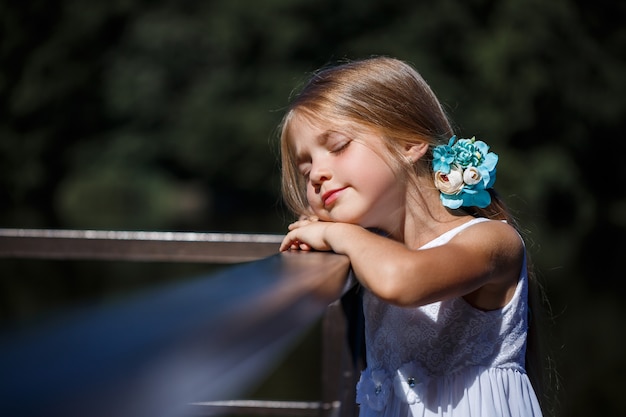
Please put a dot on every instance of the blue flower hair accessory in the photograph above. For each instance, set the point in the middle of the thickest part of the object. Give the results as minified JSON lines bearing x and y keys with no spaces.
{"x":464,"y":171}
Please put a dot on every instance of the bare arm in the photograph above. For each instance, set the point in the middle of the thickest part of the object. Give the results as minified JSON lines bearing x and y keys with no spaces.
{"x":484,"y":260}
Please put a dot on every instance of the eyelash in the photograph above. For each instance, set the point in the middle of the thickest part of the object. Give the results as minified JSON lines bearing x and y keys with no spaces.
{"x":342,"y":147}
{"x":337,"y":151}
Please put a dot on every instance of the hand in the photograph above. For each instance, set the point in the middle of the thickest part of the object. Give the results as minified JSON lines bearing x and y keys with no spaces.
{"x":308,"y":233}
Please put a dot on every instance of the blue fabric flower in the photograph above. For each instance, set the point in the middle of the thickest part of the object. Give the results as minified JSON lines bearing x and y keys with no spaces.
{"x":464,"y":171}
{"x":443,"y":156}
{"x":374,"y":388}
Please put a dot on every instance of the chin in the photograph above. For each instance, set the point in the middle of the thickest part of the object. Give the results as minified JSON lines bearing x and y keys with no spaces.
{"x":346,"y":219}
{"x":350,"y":217}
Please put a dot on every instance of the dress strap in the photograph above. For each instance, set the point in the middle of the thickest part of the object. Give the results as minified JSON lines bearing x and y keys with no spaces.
{"x":446,"y":236}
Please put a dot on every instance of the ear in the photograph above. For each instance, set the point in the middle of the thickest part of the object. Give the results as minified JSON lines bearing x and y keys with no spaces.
{"x":415,"y":151}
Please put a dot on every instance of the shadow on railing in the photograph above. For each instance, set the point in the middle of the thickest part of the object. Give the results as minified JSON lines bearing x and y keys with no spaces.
{"x":185,"y":349}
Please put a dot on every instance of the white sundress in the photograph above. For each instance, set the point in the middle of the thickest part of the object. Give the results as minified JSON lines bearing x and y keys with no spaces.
{"x":447,"y":358}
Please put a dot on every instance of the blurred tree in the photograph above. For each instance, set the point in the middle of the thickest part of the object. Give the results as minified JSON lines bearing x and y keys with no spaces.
{"x":161,"y":115}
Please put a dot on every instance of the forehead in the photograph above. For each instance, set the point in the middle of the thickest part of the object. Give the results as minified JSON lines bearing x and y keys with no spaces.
{"x":303,"y":131}
{"x":301,"y":125}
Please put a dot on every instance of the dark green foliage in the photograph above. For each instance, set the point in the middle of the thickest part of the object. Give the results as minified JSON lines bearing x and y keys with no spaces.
{"x":132,"y":114}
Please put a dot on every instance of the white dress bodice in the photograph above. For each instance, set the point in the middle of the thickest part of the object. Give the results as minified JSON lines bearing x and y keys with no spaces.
{"x":436,"y":359}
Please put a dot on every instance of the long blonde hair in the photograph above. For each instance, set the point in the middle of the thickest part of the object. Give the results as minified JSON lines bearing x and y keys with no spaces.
{"x":390,"y":97}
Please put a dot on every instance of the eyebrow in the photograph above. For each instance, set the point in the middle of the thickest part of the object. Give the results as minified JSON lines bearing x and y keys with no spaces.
{"x":323,"y":138}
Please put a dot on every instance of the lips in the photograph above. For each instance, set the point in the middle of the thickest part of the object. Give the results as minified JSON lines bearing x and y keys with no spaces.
{"x":331,"y":196}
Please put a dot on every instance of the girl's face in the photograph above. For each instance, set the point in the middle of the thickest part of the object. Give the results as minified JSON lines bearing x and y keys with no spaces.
{"x":347,"y":178}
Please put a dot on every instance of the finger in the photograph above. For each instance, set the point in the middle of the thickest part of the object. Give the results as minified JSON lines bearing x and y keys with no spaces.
{"x":297,"y":224}
{"x":306,"y":247}
{"x":286,"y":244}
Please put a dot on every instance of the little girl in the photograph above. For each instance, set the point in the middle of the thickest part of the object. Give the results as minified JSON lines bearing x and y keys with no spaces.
{"x":371,"y":165}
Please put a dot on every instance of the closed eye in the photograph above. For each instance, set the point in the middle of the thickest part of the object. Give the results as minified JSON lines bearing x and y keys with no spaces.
{"x":339,"y":147}
{"x":304,"y":169}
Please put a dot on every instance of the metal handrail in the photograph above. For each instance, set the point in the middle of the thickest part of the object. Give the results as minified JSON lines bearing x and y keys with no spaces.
{"x":213,"y":336}
{"x":267,"y":408}
{"x":137,"y":245}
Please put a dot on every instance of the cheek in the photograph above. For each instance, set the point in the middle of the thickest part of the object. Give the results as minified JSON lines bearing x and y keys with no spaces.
{"x":381,"y":182}
{"x":374,"y":172}
{"x":313,"y":198}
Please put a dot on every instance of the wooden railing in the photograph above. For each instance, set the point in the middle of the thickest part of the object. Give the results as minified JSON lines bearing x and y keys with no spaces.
{"x":186,"y":349}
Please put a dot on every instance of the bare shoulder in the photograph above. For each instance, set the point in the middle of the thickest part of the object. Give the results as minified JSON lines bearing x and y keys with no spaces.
{"x":502,"y":248}
{"x":497,"y":237}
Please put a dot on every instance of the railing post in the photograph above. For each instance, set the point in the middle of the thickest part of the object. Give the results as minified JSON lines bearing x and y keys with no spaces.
{"x":342,"y":360}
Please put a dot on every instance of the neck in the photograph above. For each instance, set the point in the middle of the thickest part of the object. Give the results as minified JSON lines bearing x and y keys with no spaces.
{"x":426,"y":218}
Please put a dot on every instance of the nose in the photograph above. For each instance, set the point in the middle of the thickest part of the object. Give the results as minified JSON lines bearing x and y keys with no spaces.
{"x":319,"y":173}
